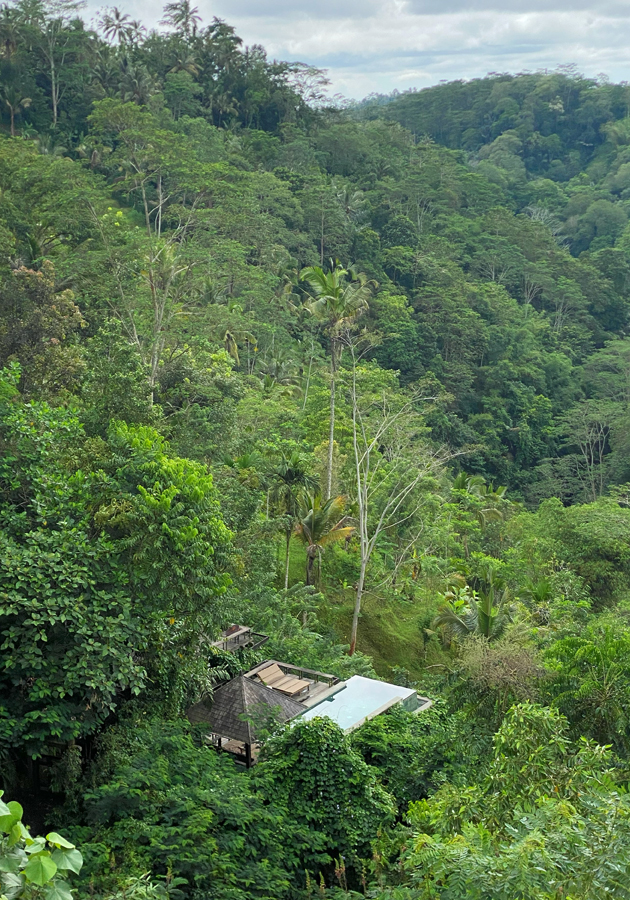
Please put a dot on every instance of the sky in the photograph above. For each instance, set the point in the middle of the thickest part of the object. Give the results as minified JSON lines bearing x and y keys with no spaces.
{"x":380,"y":45}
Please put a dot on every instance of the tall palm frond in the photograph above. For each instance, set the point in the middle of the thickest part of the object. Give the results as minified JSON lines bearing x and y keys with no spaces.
{"x":185,"y":62}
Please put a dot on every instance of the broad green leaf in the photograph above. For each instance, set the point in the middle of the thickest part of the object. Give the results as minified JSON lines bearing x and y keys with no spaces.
{"x":40,"y":869}
{"x":60,"y":890}
{"x":15,"y":834}
{"x":9,"y":864}
{"x":12,"y":885}
{"x":8,"y":820}
{"x":68,"y":859}
{"x":59,"y":841}
{"x":35,"y":845}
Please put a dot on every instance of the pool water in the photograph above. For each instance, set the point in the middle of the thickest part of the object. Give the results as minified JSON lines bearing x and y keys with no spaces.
{"x":360,"y":698}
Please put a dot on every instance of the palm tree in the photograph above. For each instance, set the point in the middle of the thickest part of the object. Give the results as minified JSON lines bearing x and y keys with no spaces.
{"x":233,"y":337}
{"x":182,"y":16}
{"x":10,"y":23}
{"x":289,"y":479}
{"x":16,"y":102}
{"x":224,"y":103}
{"x":106,"y":71}
{"x":277,"y":368}
{"x":47,"y":147}
{"x":136,"y":31}
{"x":185,"y":62}
{"x":482,"y":500}
{"x":338,"y":298}
{"x":352,"y":201}
{"x":320,"y":523}
{"x":493,"y":499}
{"x":247,"y":467}
{"x":136,"y":83}
{"x":116,"y":26}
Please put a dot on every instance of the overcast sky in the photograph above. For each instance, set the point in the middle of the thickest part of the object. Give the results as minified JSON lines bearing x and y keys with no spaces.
{"x":379,"y":45}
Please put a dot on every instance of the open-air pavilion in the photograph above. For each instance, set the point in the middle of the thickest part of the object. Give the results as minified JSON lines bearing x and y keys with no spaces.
{"x":239,"y":711}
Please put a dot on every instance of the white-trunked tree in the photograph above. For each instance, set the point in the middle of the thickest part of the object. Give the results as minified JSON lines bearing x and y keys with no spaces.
{"x":395,"y":466}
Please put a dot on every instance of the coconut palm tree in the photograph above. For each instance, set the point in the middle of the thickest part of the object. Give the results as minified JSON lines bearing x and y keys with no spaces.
{"x":136,"y":32}
{"x":116,"y":26}
{"x":185,"y":62}
{"x":182,"y":16}
{"x":288,"y":480}
{"x":106,"y":71}
{"x":10,"y":31}
{"x":338,"y":298}
{"x":277,"y":368}
{"x":321,"y":522}
{"x":136,"y":84}
{"x":16,"y":102}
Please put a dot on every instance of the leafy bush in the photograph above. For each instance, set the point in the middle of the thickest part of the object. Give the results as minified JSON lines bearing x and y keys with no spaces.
{"x":165,"y":802}
{"x":33,"y":868}
{"x":333,"y":796}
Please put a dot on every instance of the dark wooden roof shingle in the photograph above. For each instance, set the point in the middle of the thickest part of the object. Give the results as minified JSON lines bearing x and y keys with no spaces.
{"x":236,"y":707}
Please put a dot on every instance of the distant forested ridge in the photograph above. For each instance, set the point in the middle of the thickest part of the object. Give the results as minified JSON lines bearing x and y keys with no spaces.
{"x":356,"y":376}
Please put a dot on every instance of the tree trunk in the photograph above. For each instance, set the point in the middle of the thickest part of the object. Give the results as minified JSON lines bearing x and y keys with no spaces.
{"x":12,"y":121}
{"x":286,"y":561}
{"x":357,"y":610}
{"x":331,"y":434}
{"x":321,"y":242}
{"x":308,"y":378}
{"x":53,"y":89}
{"x":310,"y":559}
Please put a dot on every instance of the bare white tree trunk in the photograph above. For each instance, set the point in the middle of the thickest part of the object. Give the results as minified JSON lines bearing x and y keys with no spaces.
{"x":386,"y":483}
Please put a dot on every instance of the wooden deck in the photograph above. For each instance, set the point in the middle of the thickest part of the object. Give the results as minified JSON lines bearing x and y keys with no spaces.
{"x":317,"y":685}
{"x":238,"y":636}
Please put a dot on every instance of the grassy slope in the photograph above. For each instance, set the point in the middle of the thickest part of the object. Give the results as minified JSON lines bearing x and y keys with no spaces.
{"x":390,"y":629}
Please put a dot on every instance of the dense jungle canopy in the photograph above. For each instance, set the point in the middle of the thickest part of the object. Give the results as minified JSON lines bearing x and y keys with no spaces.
{"x":356,"y":375}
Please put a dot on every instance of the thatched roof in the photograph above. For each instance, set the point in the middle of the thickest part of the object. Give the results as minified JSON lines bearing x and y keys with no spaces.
{"x":236,"y":708}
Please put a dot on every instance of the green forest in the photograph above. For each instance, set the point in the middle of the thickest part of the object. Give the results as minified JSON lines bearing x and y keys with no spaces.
{"x":355,"y":375}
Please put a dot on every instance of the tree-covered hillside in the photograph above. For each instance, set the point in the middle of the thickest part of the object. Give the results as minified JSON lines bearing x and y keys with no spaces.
{"x":358,"y":378}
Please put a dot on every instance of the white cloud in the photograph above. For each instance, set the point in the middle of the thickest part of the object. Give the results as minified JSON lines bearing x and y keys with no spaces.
{"x":379,"y":45}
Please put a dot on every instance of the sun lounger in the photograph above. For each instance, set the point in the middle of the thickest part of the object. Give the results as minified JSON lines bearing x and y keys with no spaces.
{"x":271,"y":675}
{"x":293,"y":687}
{"x":275,"y":678}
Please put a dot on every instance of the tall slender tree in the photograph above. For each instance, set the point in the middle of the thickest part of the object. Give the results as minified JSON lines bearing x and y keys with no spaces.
{"x":338,"y":298}
{"x":15,"y":101}
{"x":289,"y":478}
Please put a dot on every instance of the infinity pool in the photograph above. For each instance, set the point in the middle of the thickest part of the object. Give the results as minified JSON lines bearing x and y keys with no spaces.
{"x":360,"y":698}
